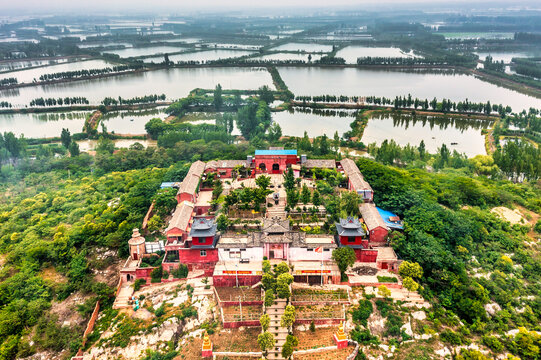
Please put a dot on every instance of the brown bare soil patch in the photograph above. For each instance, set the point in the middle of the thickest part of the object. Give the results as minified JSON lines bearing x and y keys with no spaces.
{"x":236,"y":340}
{"x":327,"y":355}
{"x":233,"y":293}
{"x":320,"y":338}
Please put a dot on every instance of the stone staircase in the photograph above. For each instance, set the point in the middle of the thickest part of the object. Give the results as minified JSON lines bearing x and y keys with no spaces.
{"x":276,"y":211}
{"x":275,"y":313}
{"x":125,"y":293}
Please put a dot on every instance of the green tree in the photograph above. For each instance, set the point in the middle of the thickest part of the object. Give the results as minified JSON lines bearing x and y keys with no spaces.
{"x":275,"y":132}
{"x":65,"y":138}
{"x":269,"y":297}
{"x":282,"y":285}
{"x":266,"y":266}
{"x":74,"y":149}
{"x":222,"y":222}
{"x":265,"y":94}
{"x":410,"y":269}
{"x":289,"y":179}
{"x":316,"y":198}
{"x":105,"y":146}
{"x":263,"y":182}
{"x":264,"y":320}
{"x":344,"y":258}
{"x":305,"y":194}
{"x":266,"y":342}
{"x":289,"y":346}
{"x":217,"y":100}
{"x":288,"y":317}
{"x":292,"y":196}
{"x":268,"y":281}
{"x":410,"y":284}
{"x":164,"y":201}
{"x":383,"y":291}
{"x":155,"y":223}
{"x":281,"y":268}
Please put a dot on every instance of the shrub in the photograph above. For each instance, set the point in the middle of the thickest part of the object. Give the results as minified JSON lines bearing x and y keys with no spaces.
{"x":159,"y":311}
{"x":363,"y":336}
{"x":156,"y":275}
{"x":138,"y":283}
{"x":493,"y":343}
{"x":362,"y":312}
{"x":313,"y":326}
{"x":181,"y":272}
{"x":451,"y":337}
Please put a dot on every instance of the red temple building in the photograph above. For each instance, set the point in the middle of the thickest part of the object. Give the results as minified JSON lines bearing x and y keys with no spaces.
{"x":351,"y":233}
{"x":274,"y":161}
{"x":377,"y":229}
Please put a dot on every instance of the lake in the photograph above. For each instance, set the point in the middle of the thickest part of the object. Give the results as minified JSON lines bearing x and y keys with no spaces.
{"x":15,"y":65}
{"x":351,"y":53}
{"x":174,"y":83}
{"x":28,"y":75}
{"x":308,"y":47}
{"x":287,"y":56}
{"x":130,"y":122}
{"x":145,"y":51}
{"x":392,"y":83}
{"x":43,"y":125}
{"x":297,"y":122}
{"x":205,"y":55}
{"x":434,"y":130}
{"x":506,"y":56}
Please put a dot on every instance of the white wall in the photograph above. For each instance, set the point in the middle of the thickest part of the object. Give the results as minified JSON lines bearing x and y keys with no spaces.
{"x":302,"y":254}
{"x":254,"y":254}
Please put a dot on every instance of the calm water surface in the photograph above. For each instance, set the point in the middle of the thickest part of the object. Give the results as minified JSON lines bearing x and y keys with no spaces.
{"x":43,"y":125}
{"x":200,"y":56}
{"x":174,"y":83}
{"x":309,"y":47}
{"x":131,"y":122}
{"x":28,"y":75}
{"x":389,"y":83}
{"x":296,"y":123}
{"x":433,"y":130}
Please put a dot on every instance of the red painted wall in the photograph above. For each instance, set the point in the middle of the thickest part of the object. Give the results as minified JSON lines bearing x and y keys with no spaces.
{"x":269,"y":160}
{"x":344,"y":240}
{"x":206,"y":241}
{"x":231,"y":281}
{"x":378,"y":234}
{"x":143,"y":273}
{"x":366,"y":255}
{"x":192,"y":256}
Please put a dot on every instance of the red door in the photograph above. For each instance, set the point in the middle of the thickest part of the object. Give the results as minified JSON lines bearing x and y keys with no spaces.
{"x":134,"y":256}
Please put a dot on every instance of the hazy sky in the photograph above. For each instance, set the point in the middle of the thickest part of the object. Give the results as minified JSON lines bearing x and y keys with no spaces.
{"x":80,"y":6}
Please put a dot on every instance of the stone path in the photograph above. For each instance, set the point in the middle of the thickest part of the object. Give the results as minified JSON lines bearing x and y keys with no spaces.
{"x":126,"y":292}
{"x":280,"y":333}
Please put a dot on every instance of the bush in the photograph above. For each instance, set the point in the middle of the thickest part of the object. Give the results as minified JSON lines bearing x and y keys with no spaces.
{"x":156,"y":275}
{"x":363,"y":336}
{"x":138,"y":283}
{"x":387,"y":279}
{"x":451,"y":337}
{"x":493,"y":343}
{"x":362,"y":312}
{"x":159,"y":311}
{"x":181,"y":272}
{"x":313,"y":326}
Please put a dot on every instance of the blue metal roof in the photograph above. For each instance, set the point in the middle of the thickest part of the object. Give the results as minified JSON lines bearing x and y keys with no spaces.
{"x":276,"y":152}
{"x":391,"y":224}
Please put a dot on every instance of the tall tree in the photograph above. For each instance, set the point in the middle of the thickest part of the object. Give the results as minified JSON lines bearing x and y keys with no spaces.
{"x":65,"y":138}
{"x":218,"y":101}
